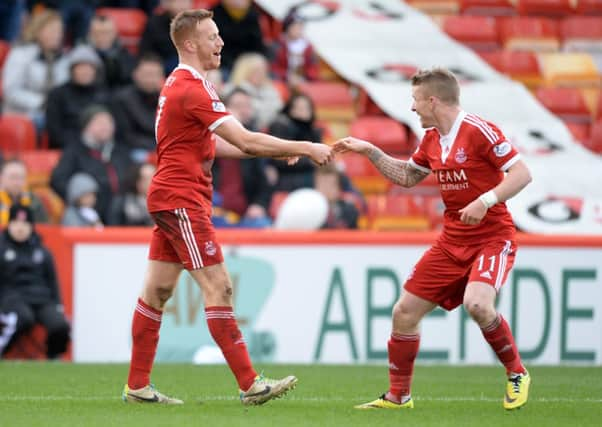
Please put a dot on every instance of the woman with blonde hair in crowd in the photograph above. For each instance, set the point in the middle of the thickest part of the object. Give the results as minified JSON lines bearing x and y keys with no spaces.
{"x":35,"y":67}
{"x":251,"y":73}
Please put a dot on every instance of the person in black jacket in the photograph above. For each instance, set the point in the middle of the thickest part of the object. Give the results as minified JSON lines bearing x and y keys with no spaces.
{"x":65,"y":103}
{"x":296,"y":121}
{"x":238,"y":24}
{"x":135,"y":106}
{"x":156,"y":39}
{"x":97,"y":154}
{"x":28,"y":284}
{"x":117,"y":62}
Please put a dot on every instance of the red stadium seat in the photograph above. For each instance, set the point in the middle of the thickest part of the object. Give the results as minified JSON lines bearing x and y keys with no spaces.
{"x":52,"y":202}
{"x":17,"y":133}
{"x":204,"y":4}
{"x":366,"y":106}
{"x":522,"y":66}
{"x":384,"y":132}
{"x":477,"y":32}
{"x":545,"y":7}
{"x":487,"y":7}
{"x":579,"y":131}
{"x":4,"y":49}
{"x":130,"y":24}
{"x":447,"y":7}
{"x":333,"y":100}
{"x":599,"y":107}
{"x":567,"y":103}
{"x":277,"y":199}
{"x":582,"y":33}
{"x":398,"y":212}
{"x":595,"y":141}
{"x":529,"y":33}
{"x":589,"y":7}
{"x":40,"y":164}
{"x":363,"y":174}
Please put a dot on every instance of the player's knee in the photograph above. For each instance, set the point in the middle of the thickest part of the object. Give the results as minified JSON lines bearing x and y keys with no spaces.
{"x":404,"y":315}
{"x":478,"y":310}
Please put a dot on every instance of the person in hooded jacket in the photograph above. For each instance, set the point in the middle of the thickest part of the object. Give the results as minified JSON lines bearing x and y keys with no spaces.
{"x":28,"y":283}
{"x":81,"y":202}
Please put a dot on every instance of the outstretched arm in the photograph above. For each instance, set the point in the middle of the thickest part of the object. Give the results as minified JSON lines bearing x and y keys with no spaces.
{"x":257,"y":144}
{"x":397,"y":171}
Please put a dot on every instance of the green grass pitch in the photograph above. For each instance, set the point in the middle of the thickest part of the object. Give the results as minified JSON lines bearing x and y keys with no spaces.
{"x":62,"y":394}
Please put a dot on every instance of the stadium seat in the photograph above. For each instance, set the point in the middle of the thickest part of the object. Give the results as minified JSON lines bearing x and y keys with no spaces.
{"x":366,"y":106}
{"x":277,"y":199}
{"x":130,"y":24}
{"x":599,"y":106}
{"x":566,"y":103}
{"x":4,"y":49}
{"x":333,"y":100}
{"x":52,"y":202}
{"x":545,"y":7}
{"x":521,"y":66}
{"x":40,"y":164}
{"x":477,"y":32}
{"x":528,"y":33}
{"x":569,"y":69}
{"x":589,"y":7}
{"x":17,"y":133}
{"x":364,"y":176}
{"x":436,"y":7}
{"x":204,"y":4}
{"x":595,"y":141}
{"x":29,"y":346}
{"x":487,"y":7}
{"x":582,"y":33}
{"x":283,"y":89}
{"x":397,"y":212}
{"x":386,"y":133}
{"x":326,"y":72}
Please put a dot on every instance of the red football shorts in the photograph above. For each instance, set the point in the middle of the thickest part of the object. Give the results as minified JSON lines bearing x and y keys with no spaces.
{"x":186,"y":236}
{"x":443,"y":272}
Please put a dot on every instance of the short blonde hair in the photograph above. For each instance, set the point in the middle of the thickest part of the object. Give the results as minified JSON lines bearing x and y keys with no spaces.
{"x":439,"y":82}
{"x":243,"y":66}
{"x":184,"y":24}
{"x":37,"y":23}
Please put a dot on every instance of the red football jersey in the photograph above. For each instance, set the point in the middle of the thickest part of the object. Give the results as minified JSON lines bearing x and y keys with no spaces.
{"x":467,"y":162}
{"x":188,"y":112}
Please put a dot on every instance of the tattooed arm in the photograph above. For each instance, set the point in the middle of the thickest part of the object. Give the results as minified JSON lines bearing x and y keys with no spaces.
{"x":397,"y":171}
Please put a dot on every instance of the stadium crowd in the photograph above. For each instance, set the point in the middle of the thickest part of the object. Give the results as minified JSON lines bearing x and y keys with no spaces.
{"x":91,"y":93}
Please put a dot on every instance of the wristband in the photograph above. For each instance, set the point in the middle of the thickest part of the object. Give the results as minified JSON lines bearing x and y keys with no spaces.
{"x":489,"y":198}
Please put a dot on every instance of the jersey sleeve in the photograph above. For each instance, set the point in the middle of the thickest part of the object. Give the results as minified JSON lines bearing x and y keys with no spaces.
{"x":204,"y":105}
{"x":498,"y":150}
{"x":419,"y":159}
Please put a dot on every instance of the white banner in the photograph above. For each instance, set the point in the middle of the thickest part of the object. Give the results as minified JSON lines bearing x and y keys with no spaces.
{"x":379,"y":44}
{"x":332,"y":304}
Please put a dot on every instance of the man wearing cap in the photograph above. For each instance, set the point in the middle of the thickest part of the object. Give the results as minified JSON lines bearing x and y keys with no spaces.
{"x":66,"y":102}
{"x":28,"y":284}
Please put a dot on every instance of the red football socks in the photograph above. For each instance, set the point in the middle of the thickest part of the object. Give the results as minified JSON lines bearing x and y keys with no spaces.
{"x":145,"y":336}
{"x":500,"y":338}
{"x":402,"y":353}
{"x":224,"y":330}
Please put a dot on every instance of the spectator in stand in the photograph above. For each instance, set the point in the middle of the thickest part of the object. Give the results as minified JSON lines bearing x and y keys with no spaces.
{"x":11,"y":15}
{"x":341,"y":213}
{"x":156,"y":35}
{"x":294,"y":59}
{"x":242,"y":184}
{"x":97,"y":154}
{"x":296,"y":121}
{"x":135,"y":107}
{"x":81,"y":202}
{"x":31,"y":70}
{"x":66,"y":102}
{"x":251,"y":73}
{"x":13,"y":190}
{"x":148,"y":6}
{"x":238,"y":24}
{"x":28,"y":284}
{"x":76,"y":15}
{"x":117,"y":62}
{"x":130,"y":208}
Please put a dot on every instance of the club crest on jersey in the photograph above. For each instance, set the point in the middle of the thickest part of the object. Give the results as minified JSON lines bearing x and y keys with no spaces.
{"x":219,"y":107}
{"x":502,"y":149}
{"x":460,"y":155}
{"x":210,"y":248}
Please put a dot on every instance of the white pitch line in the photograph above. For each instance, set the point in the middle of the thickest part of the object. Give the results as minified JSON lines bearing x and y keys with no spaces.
{"x":307,"y":399}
